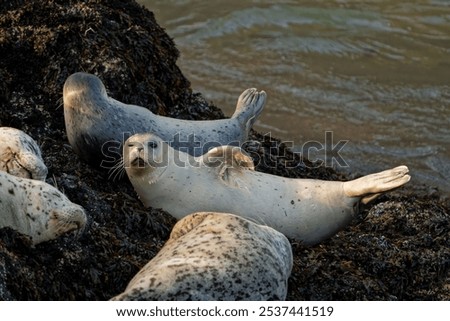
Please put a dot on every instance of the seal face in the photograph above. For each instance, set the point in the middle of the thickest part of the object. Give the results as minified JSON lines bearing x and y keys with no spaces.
{"x":216,"y":256}
{"x":97,"y":125}
{"x":20,"y":155}
{"x":223,"y":180}
{"x":37,"y":209}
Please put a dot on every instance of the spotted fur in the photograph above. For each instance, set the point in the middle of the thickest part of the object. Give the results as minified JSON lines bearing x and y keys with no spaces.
{"x":37,"y":209}
{"x":20,"y":155}
{"x":216,"y":256}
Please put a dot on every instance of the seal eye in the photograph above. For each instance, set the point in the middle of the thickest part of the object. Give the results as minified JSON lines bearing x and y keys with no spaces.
{"x":152,"y":144}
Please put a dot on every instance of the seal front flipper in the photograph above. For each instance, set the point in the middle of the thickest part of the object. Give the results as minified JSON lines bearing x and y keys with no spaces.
{"x":190,"y":223}
{"x":20,"y":155}
{"x":371,"y":186}
{"x":229,"y":162}
{"x":249,"y":106}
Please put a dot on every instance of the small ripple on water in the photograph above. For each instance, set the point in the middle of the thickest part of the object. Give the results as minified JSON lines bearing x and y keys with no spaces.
{"x":374,"y":72}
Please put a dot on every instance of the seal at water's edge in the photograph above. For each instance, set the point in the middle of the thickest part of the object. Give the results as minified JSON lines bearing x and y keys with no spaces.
{"x":224,"y":180}
{"x":97,"y":125}
{"x":216,"y":256}
{"x":37,"y":209}
{"x":20,"y":155}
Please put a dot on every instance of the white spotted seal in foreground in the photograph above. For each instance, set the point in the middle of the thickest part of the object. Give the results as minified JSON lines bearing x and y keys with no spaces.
{"x":37,"y":209}
{"x":97,"y":125}
{"x":20,"y":155}
{"x":216,"y":256}
{"x":224,"y":180}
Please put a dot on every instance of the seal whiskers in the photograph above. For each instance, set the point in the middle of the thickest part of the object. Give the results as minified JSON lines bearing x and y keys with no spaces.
{"x":66,"y":220}
{"x":117,"y":171}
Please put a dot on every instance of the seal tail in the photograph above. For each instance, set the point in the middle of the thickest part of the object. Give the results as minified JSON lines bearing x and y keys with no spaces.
{"x":371,"y":186}
{"x":249,"y":106}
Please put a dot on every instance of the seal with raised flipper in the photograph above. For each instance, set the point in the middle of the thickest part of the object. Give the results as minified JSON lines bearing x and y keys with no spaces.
{"x":224,"y":180}
{"x":20,"y":155}
{"x":216,"y":256}
{"x":37,"y":209}
{"x":97,"y":125}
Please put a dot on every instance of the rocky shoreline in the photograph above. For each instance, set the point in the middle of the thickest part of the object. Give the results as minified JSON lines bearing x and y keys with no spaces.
{"x":398,"y":250}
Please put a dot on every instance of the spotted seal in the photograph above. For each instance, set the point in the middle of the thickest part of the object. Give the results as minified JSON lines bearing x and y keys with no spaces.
{"x":20,"y":155}
{"x":224,"y":180}
{"x":216,"y":256}
{"x":97,"y":124}
{"x":37,"y":209}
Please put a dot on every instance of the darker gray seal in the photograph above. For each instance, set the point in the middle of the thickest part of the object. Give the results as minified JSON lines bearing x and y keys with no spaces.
{"x":97,"y":125}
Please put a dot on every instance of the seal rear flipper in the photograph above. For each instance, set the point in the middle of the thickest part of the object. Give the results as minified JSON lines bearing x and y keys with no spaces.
{"x":371,"y":186}
{"x":249,"y":106}
{"x":370,"y":198}
{"x":226,"y":160}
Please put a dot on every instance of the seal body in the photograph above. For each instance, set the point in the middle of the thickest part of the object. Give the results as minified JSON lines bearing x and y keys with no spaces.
{"x":223,"y":180}
{"x":37,"y":209}
{"x":20,"y":155}
{"x":216,"y":256}
{"x":97,"y":125}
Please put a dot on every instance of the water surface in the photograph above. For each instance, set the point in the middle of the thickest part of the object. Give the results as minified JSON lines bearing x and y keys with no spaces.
{"x":374,"y":73}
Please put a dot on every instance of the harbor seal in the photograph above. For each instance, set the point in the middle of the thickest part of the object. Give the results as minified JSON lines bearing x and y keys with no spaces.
{"x":20,"y":155}
{"x":97,"y":125}
{"x":37,"y":209}
{"x":224,"y":180}
{"x":216,"y":256}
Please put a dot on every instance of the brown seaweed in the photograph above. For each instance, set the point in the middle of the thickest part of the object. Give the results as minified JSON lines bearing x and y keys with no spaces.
{"x":397,"y":250}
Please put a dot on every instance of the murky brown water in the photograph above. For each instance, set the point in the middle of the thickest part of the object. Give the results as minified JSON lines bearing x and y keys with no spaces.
{"x":375,"y":73}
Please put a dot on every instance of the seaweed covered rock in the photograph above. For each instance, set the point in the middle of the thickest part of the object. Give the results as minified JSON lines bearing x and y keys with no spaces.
{"x":43,"y":42}
{"x":399,"y":251}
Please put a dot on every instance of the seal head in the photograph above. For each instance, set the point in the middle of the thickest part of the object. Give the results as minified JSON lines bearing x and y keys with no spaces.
{"x":37,"y":209}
